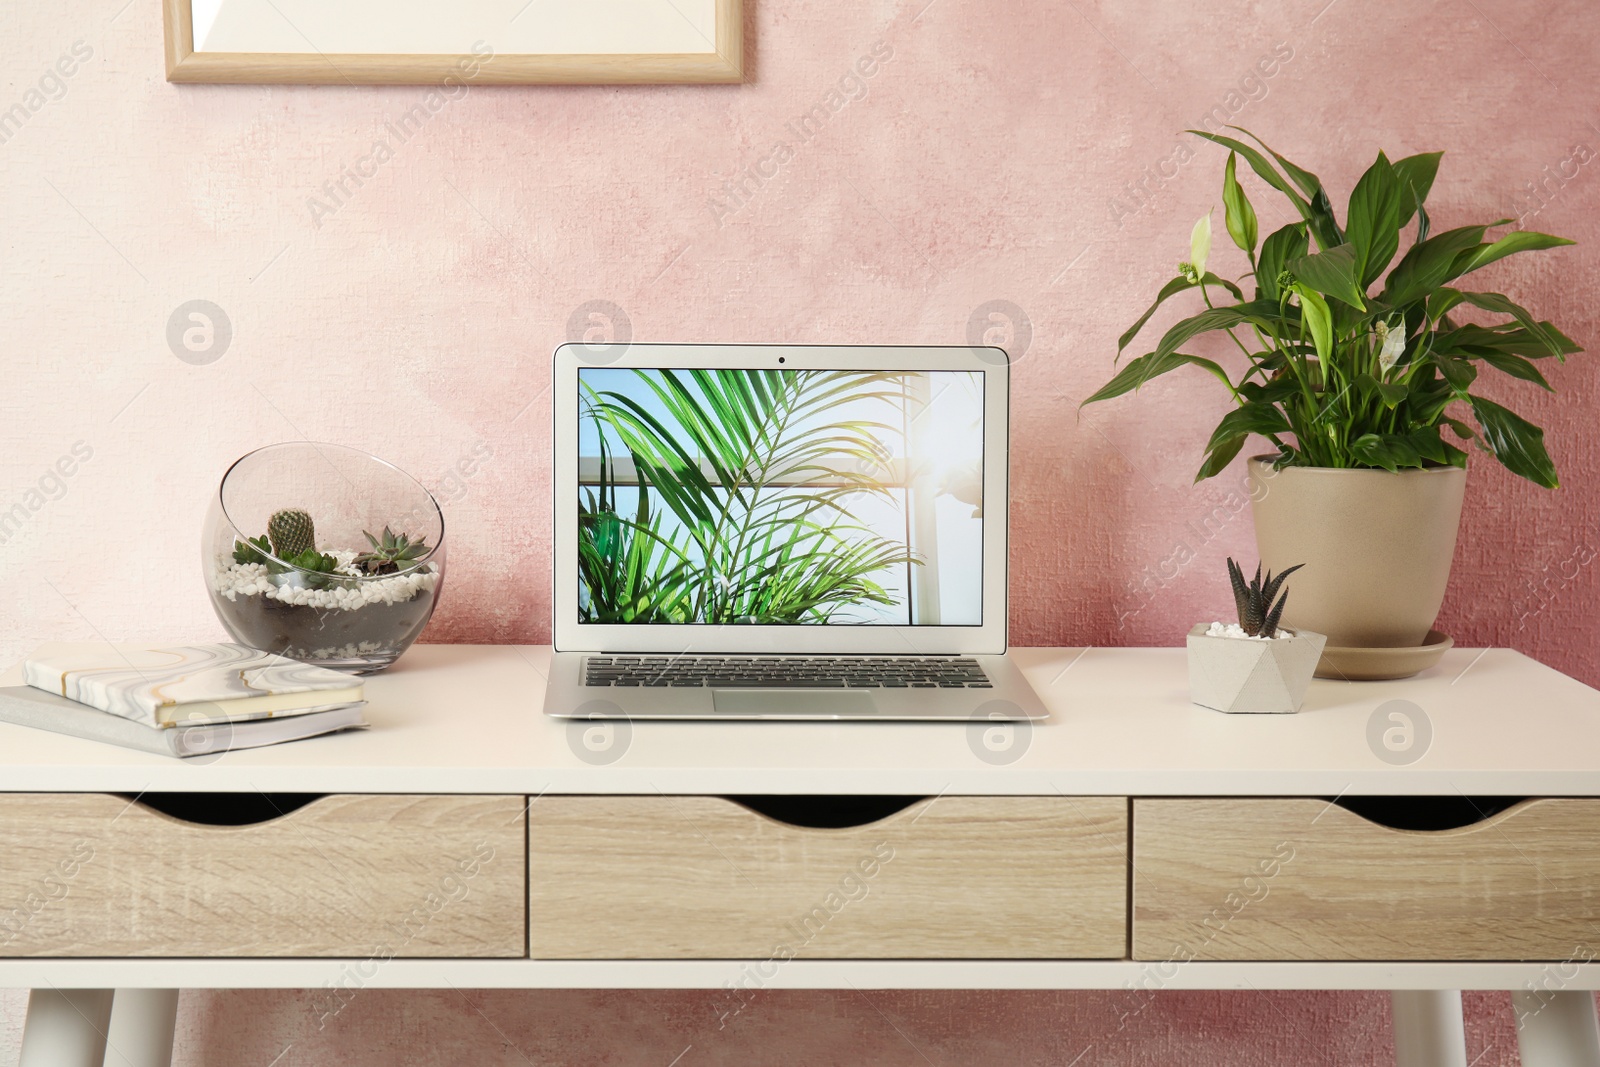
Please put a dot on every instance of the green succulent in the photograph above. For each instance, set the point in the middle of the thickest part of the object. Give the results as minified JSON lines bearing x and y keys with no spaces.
{"x":392,"y":552}
{"x":1258,"y":615}
{"x":291,"y":533}
{"x":319,"y":567}
{"x":251,"y":550}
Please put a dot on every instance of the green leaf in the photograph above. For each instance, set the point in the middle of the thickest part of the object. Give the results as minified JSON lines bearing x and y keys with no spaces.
{"x":1271,"y":391}
{"x":1515,"y":441}
{"x":1148,"y":366}
{"x":1516,"y":366}
{"x":1373,"y":223}
{"x":1332,"y":272}
{"x":1414,"y":175}
{"x":1309,"y":183}
{"x":1512,"y":243}
{"x":1237,"y":212}
{"x":1389,"y":393}
{"x":1389,"y":451}
{"x":1321,"y":221}
{"x":1210,"y":319}
{"x":1458,"y":372}
{"x":1429,"y":394}
{"x":1281,"y":246}
{"x":1318,"y":215}
{"x":1172,"y":288}
{"x":1263,"y":169}
{"x":1217,"y":459}
{"x":1264,"y":419}
{"x":1318,"y":320}
{"x":1440,"y":302}
{"x":1429,"y":445}
{"x":1469,"y":338}
{"x":1504,"y":305}
{"x":1427,"y":264}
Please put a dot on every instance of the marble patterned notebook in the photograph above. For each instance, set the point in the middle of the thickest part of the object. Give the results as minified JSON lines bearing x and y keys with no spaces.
{"x":189,"y":684}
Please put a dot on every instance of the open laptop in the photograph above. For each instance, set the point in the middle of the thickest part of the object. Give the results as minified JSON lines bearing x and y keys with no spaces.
{"x":782,"y":532}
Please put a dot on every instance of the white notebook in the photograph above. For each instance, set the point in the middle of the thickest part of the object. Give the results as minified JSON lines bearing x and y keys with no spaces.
{"x":188,"y":684}
{"x":27,"y":706}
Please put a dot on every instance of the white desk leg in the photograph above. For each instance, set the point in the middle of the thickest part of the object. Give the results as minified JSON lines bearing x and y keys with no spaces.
{"x":1557,"y":1029}
{"x":141,"y":1028}
{"x":1428,"y":1031}
{"x":66,"y":1028}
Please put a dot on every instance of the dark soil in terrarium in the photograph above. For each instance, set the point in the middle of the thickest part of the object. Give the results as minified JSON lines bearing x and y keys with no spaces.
{"x":298,"y":630}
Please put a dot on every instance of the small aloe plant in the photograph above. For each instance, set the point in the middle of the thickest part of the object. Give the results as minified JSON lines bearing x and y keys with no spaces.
{"x":1258,"y":615}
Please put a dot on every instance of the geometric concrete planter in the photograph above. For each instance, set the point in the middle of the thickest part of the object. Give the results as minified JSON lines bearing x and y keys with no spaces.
{"x":1242,"y":674}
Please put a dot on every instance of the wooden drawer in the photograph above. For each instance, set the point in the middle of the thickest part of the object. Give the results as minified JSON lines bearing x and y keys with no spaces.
{"x":658,"y":877}
{"x":1250,"y":879}
{"x":359,"y":876}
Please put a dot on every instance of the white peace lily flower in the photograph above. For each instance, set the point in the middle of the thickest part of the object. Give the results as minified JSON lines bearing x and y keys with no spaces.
{"x":1200,"y":243}
{"x":1391,"y":342}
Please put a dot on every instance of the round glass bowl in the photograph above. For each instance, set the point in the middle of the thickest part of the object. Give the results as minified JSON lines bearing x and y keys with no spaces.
{"x":321,"y":591}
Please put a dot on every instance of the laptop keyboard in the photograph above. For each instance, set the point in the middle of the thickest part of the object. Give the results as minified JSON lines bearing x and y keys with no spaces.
{"x":772,"y":672}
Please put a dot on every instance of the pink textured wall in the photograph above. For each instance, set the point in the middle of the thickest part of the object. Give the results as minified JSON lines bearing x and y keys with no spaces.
{"x":790,"y":1029}
{"x":1025,"y":152}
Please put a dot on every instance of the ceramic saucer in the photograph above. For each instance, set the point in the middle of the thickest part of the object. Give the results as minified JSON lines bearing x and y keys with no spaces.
{"x":1381,"y":664}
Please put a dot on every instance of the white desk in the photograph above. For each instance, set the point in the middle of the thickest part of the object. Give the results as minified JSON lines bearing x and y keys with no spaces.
{"x":465,"y":718}
{"x":451,"y":720}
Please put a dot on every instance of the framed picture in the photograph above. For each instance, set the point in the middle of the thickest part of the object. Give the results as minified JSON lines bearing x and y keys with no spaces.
{"x":481,"y":42}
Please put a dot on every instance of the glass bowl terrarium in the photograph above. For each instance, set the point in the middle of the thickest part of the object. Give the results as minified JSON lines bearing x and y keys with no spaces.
{"x":323,"y":554}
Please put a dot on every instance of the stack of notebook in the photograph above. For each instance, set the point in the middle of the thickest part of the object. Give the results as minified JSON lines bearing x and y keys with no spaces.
{"x":188,"y":700}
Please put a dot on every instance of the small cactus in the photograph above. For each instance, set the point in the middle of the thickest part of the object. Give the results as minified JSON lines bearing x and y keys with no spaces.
{"x":1258,"y":615}
{"x":291,"y":533}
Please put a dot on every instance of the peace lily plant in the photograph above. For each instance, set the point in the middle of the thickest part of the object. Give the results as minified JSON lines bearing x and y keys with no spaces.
{"x":1354,"y":363}
{"x":1349,"y":366}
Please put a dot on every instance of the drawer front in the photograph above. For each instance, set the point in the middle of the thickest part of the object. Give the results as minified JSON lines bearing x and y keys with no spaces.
{"x":358,"y":876}
{"x":706,"y":878}
{"x":1303,"y":880}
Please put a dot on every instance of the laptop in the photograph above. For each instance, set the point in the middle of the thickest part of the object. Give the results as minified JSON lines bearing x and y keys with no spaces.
{"x":782,"y":532}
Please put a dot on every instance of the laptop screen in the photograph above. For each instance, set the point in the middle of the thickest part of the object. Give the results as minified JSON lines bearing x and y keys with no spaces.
{"x":780,"y":497}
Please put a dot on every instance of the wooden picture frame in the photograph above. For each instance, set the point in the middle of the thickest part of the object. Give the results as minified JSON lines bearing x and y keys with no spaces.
{"x":722,"y":63}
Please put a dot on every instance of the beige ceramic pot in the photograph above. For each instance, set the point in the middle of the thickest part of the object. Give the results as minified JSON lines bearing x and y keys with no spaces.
{"x":1376,"y":547}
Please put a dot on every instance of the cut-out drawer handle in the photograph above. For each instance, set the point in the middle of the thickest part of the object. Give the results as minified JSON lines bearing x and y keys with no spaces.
{"x":224,"y":809}
{"x":826,"y":812}
{"x":1427,"y":813}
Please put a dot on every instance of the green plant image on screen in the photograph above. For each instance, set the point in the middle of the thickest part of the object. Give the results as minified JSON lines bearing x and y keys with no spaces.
{"x":780,"y":497}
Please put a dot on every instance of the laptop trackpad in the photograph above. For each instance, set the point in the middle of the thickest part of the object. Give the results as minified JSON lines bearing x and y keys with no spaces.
{"x":793,"y":703}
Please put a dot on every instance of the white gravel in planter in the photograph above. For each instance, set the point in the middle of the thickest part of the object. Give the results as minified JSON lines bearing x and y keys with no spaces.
{"x":350,"y":651}
{"x":234,"y":580}
{"x":1233,"y":629}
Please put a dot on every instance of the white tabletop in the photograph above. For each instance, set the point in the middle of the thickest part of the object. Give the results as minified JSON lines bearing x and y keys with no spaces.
{"x":467,"y":719}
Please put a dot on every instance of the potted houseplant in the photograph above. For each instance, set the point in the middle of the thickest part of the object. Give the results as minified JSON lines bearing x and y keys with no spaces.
{"x":1356,"y":365}
{"x":1254,"y":664}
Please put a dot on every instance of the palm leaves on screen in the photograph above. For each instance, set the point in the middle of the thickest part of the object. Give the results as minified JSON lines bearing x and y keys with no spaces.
{"x":629,"y":571}
{"x":759,"y":478}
